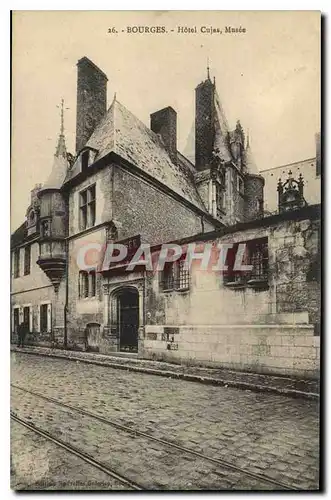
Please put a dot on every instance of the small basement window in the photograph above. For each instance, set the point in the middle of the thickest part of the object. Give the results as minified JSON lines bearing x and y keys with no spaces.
{"x":175,"y":276}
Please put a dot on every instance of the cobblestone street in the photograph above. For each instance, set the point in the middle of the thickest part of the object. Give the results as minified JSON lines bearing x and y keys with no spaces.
{"x":267,"y":435}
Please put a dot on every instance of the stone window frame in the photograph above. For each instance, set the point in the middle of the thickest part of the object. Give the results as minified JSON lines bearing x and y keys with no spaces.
{"x":87,"y":284}
{"x":30,"y":308}
{"x":47,"y":303}
{"x":87,"y":207}
{"x":220,"y":199}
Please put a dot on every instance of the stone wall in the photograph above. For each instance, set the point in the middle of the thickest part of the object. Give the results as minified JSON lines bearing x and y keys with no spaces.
{"x":270,"y":329}
{"x":82,"y":311}
{"x":140,"y":208}
{"x":280,"y":349}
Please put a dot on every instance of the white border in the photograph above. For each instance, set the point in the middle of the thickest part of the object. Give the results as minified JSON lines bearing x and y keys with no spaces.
{"x":324,"y":6}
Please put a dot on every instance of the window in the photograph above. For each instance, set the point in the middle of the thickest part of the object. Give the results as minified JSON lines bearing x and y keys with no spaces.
{"x":92,"y":283}
{"x":182,"y":281}
{"x":26,"y":316}
{"x":17,"y":263}
{"x":27,"y":260}
{"x":220,"y":204}
{"x":87,"y":207}
{"x":175,"y":276}
{"x":256,"y":255}
{"x":45,"y":228}
{"x":87,"y":284}
{"x":16,"y":319}
{"x":44,"y":318}
{"x":168,"y":276}
{"x":260,"y":260}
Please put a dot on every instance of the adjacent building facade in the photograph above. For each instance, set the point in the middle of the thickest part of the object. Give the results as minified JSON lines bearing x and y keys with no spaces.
{"x":309,"y":169}
{"x":128,"y":183}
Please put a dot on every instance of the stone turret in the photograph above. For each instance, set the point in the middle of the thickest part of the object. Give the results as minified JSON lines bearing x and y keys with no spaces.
{"x":254,"y":187}
{"x":53,"y":215}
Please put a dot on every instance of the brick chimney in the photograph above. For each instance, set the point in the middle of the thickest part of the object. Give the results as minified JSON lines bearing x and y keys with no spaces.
{"x":91,"y":100}
{"x":164,"y":123}
{"x":204,"y":124}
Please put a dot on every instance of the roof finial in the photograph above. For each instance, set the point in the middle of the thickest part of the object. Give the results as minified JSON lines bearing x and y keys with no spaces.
{"x":61,"y":148}
{"x":62,"y":116}
{"x":114,"y":98}
{"x":208,"y":75}
{"x":247,"y":138}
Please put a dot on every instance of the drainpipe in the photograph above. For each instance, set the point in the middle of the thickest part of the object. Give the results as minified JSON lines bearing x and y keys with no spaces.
{"x":65,"y":336}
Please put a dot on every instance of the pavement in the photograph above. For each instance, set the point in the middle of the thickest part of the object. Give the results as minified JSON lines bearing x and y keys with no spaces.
{"x":287,"y":386}
{"x":37,"y":464}
{"x":263,"y":433}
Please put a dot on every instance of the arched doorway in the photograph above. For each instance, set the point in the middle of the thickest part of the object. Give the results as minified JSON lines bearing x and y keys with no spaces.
{"x":128,"y":319}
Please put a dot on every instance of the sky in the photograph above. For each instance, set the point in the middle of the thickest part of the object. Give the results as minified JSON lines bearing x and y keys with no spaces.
{"x":268,"y":77}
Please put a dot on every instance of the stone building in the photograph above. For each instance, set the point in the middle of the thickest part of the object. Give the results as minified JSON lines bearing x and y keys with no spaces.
{"x":309,"y":169}
{"x":128,"y":183}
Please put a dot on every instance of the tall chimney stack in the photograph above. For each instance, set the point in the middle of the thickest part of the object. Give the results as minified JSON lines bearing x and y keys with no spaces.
{"x":91,"y":100}
{"x":204,"y":124}
{"x":164,"y":123}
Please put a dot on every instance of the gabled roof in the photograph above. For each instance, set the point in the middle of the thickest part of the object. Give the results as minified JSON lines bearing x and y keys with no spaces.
{"x":121,"y":132}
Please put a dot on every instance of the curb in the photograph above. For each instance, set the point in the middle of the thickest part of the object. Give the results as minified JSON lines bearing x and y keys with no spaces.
{"x":183,"y":376}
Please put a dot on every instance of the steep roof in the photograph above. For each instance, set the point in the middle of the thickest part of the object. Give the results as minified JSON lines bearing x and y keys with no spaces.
{"x":60,"y":164}
{"x":221,"y":130}
{"x":19,"y":235}
{"x":121,"y":132}
{"x":250,"y":161}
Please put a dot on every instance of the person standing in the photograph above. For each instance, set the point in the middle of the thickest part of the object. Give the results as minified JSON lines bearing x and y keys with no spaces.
{"x":21,"y":331}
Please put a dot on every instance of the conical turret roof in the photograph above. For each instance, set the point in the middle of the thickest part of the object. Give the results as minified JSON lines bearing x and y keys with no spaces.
{"x":251,"y":166}
{"x":60,"y":161}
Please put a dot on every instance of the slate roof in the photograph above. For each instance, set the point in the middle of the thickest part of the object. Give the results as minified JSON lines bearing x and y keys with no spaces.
{"x":19,"y":235}
{"x":121,"y":132}
{"x":221,"y":130}
{"x":250,"y":162}
{"x":59,"y":168}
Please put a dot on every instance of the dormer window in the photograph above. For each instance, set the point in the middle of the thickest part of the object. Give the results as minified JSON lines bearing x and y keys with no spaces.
{"x":86,"y":157}
{"x":85,"y":160}
{"x":220,"y":200}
